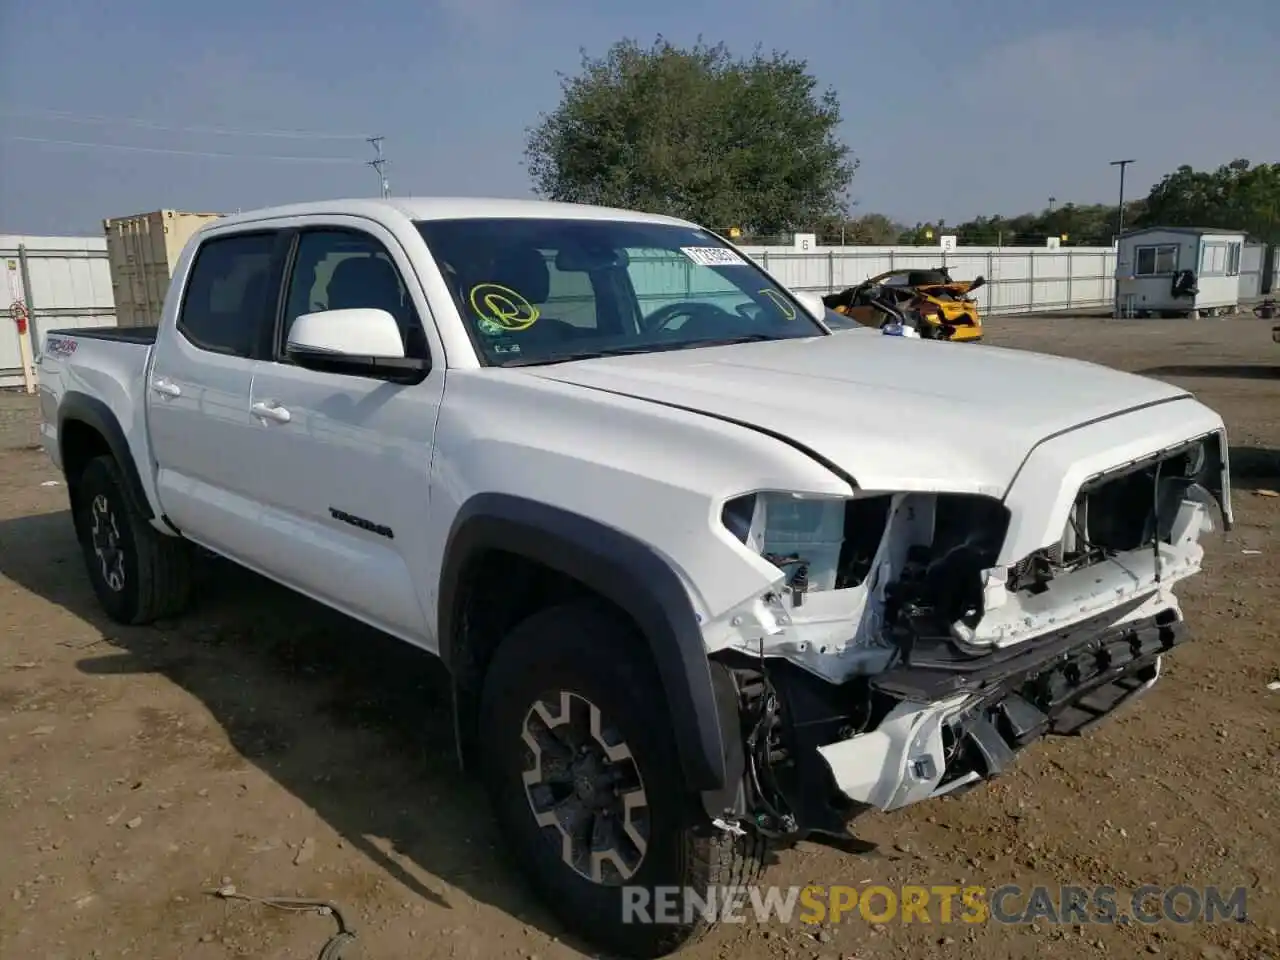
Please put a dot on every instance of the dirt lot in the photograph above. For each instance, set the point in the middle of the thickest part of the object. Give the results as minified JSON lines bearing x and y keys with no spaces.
{"x":265,"y":742}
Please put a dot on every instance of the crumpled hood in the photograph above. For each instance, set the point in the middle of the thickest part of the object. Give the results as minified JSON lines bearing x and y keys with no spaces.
{"x":894,"y":413}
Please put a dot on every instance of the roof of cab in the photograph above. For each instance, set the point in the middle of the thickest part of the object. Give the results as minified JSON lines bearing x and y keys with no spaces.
{"x":449,"y":208}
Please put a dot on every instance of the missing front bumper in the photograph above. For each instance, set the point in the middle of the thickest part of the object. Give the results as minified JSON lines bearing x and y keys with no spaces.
{"x":948,"y":729}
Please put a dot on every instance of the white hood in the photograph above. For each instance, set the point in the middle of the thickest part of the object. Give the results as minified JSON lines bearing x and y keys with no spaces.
{"x":895,"y":414}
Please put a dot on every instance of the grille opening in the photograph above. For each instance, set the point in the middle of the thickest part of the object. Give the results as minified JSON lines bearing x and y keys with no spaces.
{"x":1115,"y":513}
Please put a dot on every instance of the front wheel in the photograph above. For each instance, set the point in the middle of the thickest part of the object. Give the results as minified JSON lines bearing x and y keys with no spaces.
{"x":580,"y":762}
{"x":138,"y":573}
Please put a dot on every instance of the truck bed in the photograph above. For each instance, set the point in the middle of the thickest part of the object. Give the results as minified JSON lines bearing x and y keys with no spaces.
{"x":141,"y":335}
{"x":103,"y":367}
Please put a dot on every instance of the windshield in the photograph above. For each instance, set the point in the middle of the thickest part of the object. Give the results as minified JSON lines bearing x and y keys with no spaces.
{"x":544,"y":291}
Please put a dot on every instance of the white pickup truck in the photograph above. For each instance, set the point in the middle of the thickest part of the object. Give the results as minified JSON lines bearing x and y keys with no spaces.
{"x":706,"y":577}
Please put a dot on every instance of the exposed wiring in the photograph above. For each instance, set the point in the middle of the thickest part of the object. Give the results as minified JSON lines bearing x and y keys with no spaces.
{"x":758,"y":743}
{"x":758,"y":760}
{"x":1084,"y":539}
{"x":332,"y":950}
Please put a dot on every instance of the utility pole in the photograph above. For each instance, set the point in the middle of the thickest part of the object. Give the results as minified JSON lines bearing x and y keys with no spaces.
{"x":1119,"y":230}
{"x":379,"y":164}
{"x":1120,"y":212}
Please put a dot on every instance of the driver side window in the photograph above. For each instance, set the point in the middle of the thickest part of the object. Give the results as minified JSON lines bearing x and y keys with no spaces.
{"x":336,"y":269}
{"x":661,"y":278}
{"x":570,"y":296}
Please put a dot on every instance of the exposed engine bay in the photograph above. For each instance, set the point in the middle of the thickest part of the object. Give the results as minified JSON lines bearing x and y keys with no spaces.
{"x":898,"y":660}
{"x":874,"y":579}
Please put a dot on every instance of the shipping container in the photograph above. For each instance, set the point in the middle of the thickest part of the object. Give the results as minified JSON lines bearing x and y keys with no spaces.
{"x":142,"y":251}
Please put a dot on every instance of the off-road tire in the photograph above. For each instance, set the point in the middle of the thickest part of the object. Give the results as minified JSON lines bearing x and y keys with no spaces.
{"x":592,"y":652}
{"x":152,"y":579}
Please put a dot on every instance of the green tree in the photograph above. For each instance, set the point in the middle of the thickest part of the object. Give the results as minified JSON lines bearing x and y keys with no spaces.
{"x":874,"y":229}
{"x":695,"y":133}
{"x":870,"y":229}
{"x":1086,"y":225}
{"x":925,"y":234}
{"x":1236,"y":196}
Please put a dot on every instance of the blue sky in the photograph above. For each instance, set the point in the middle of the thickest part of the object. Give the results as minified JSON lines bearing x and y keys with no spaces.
{"x":954,"y":107}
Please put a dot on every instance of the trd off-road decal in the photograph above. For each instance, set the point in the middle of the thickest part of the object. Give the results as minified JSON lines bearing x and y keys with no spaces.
{"x":60,"y":346}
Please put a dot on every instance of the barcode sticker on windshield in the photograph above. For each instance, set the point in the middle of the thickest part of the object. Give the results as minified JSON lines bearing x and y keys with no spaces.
{"x":712,"y":256}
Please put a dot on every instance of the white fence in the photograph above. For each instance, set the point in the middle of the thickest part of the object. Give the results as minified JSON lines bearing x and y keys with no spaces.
{"x":56,"y":282}
{"x":65,"y":281}
{"x":1019,"y":279}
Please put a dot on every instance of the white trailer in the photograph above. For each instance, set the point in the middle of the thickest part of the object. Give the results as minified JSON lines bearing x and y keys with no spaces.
{"x":1150,"y":261}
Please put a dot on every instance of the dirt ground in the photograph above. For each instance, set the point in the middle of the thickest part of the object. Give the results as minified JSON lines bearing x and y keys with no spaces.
{"x":265,"y":742}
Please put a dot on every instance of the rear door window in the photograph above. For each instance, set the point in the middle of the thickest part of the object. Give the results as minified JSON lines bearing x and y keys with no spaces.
{"x":226,"y":303}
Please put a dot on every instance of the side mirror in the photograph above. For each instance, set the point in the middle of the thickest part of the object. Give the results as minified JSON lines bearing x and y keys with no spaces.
{"x":978,"y":281}
{"x":350,"y":333}
{"x":360,"y":342}
{"x":812,"y":303}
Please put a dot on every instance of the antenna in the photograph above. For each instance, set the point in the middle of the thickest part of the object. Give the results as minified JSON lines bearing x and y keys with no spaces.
{"x":379,"y":163}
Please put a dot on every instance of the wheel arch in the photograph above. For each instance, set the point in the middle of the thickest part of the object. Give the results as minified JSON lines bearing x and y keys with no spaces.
{"x":614,"y":566}
{"x":87,"y":428}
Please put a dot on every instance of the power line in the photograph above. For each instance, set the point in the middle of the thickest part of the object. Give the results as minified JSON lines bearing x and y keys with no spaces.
{"x":66,"y":117}
{"x":186,"y":153}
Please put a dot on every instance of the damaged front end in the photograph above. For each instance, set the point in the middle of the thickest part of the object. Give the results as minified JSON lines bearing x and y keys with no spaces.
{"x":897,"y":659}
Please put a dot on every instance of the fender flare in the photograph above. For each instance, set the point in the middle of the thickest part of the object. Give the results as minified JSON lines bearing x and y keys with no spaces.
{"x":92,"y":412}
{"x":625,"y":571}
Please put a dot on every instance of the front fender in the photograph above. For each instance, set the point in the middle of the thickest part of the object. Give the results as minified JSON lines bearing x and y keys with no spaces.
{"x":623,"y":570}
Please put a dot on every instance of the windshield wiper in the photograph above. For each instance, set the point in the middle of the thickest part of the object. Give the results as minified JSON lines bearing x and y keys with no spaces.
{"x":581,"y":355}
{"x":727,"y":341}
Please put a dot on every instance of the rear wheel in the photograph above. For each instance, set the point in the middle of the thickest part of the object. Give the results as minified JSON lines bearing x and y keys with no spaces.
{"x":138,"y":573}
{"x":580,"y":765}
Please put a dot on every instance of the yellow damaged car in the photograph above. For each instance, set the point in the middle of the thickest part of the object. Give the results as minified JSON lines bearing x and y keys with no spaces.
{"x":943,"y":305}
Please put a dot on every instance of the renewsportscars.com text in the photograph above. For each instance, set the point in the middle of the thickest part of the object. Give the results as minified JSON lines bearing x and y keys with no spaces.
{"x":1007,"y":904}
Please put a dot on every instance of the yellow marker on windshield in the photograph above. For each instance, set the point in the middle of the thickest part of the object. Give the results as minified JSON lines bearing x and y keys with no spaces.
{"x":503,"y":307}
{"x":780,"y":302}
